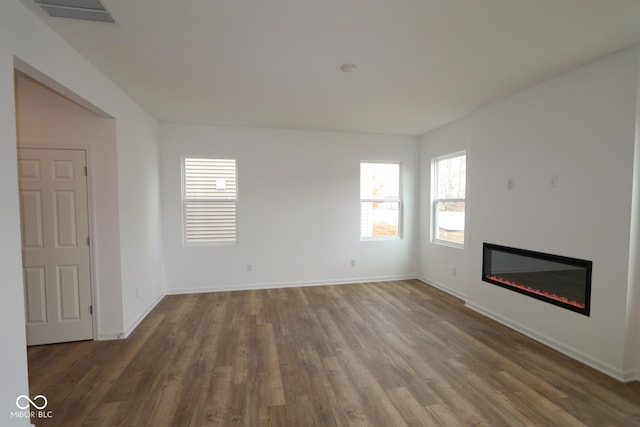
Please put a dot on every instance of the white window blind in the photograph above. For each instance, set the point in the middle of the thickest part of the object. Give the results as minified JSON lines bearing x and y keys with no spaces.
{"x":210,"y":199}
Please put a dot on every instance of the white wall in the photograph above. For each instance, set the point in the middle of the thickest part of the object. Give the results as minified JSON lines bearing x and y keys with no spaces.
{"x":13,"y":369}
{"x":632,"y":355}
{"x":442,"y":266}
{"x":580,"y":126}
{"x":141,"y":246}
{"x":26,"y":40}
{"x":299,"y":207}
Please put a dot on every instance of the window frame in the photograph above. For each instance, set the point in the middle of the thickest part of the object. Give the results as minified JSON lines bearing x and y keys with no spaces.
{"x":398,"y":200}
{"x":435,"y":200}
{"x":195,"y":243}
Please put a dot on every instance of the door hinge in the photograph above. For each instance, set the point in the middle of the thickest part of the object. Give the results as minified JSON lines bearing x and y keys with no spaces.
{"x":86,"y":171}
{"x":88,"y":241}
{"x":90,"y":309}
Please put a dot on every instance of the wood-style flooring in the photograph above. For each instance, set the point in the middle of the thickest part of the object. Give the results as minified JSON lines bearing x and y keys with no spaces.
{"x":374,"y":354}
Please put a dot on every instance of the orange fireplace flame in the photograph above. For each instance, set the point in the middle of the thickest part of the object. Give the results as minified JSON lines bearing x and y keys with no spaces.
{"x":537,"y":291}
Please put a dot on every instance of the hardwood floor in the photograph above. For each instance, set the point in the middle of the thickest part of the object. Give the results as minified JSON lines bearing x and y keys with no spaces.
{"x":377,"y":354}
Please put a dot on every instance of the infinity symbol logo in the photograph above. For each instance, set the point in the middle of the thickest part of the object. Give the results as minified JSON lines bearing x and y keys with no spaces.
{"x":22,"y":398}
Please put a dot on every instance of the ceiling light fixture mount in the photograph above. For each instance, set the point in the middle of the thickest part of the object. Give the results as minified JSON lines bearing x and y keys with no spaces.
{"x":348,"y":68}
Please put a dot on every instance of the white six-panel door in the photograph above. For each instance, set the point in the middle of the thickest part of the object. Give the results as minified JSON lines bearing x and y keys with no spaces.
{"x":55,"y":245}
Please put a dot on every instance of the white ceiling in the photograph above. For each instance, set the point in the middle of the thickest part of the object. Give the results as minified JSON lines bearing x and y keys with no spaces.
{"x":276,"y":63}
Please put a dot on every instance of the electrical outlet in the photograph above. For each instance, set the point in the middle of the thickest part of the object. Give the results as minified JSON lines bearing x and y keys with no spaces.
{"x":510,"y":183}
{"x":353,"y":262}
{"x":249,"y":267}
{"x":553,"y":180}
{"x":454,"y":271}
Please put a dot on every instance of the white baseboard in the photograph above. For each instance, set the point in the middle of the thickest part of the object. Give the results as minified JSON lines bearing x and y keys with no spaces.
{"x":140,"y":318}
{"x":631,"y":376}
{"x":456,"y":293}
{"x":605,"y":368}
{"x":277,"y":285}
{"x":110,"y":336}
{"x":598,"y":365}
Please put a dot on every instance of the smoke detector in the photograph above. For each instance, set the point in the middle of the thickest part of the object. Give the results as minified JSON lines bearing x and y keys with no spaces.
{"x":85,"y":10}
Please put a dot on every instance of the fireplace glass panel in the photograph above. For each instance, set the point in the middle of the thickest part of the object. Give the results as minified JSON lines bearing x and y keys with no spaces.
{"x":559,"y":280}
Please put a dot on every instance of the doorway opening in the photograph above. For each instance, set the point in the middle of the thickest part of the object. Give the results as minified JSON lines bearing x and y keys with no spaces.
{"x":50,"y":116}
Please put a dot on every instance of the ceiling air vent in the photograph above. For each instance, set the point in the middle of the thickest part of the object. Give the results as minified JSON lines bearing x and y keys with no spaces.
{"x":86,"y":10}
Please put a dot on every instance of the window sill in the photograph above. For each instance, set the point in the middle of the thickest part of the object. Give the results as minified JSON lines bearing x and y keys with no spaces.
{"x":379,"y":239}
{"x":448,"y":243}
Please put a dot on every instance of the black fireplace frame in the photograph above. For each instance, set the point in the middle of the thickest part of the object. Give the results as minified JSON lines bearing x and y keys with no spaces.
{"x":487,"y":248}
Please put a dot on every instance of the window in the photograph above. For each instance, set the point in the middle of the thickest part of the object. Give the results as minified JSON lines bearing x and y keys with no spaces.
{"x":449,"y":177}
{"x":380,"y":202}
{"x":210,"y":197}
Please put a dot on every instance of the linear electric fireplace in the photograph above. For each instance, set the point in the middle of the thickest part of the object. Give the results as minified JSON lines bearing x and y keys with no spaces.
{"x":559,"y":280}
